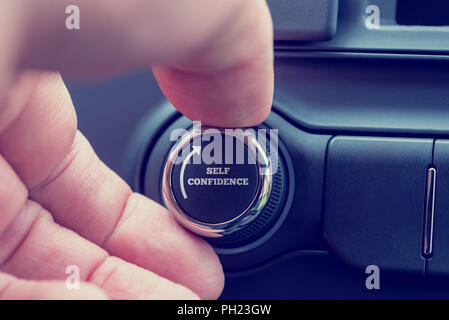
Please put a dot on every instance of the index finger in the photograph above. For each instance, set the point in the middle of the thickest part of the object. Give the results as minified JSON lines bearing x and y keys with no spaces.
{"x":213,"y":59}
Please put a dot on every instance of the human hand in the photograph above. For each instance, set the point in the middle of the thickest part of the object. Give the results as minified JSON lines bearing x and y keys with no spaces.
{"x":59,"y":204}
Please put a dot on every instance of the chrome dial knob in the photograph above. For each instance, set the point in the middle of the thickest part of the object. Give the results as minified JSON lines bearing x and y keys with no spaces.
{"x":217,"y":181}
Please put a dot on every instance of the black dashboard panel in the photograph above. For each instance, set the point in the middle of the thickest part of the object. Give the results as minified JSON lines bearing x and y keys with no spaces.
{"x":376,"y":94}
{"x":375,"y":194}
{"x":306,"y":20}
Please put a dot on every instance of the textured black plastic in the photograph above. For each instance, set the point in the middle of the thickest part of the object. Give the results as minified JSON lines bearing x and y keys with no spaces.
{"x":304,"y":20}
{"x":356,"y":95}
{"x":353,"y":35}
{"x":374,"y":202}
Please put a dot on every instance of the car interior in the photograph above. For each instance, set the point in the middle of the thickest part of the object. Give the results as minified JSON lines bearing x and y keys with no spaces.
{"x":361,"y":182}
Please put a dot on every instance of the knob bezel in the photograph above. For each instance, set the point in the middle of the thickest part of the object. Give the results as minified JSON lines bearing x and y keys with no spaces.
{"x":263,"y":191}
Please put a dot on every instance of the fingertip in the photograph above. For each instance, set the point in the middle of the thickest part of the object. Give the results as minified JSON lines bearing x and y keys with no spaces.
{"x":231,"y":83}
